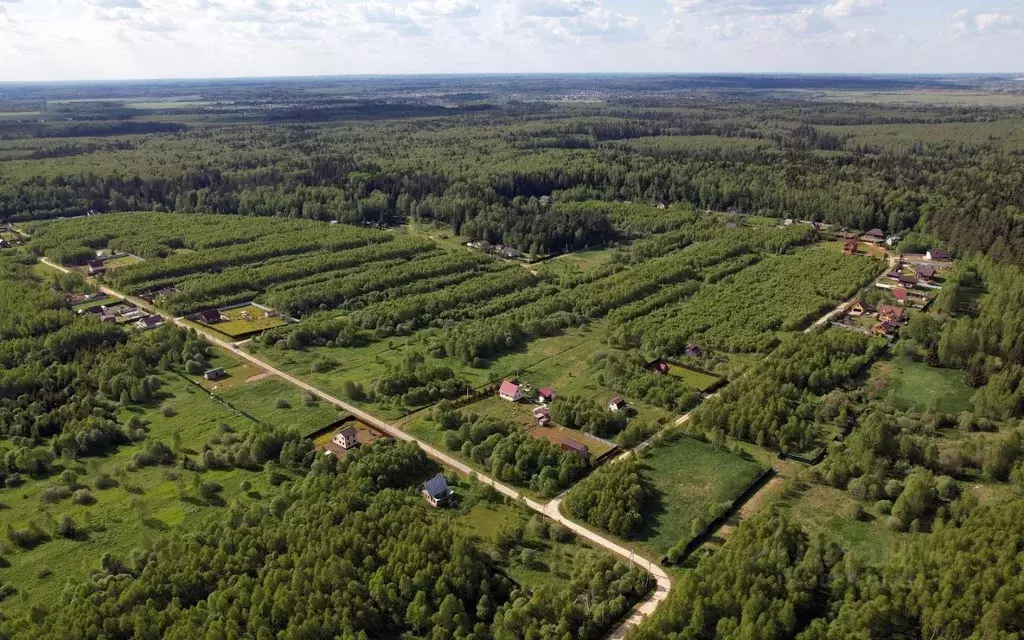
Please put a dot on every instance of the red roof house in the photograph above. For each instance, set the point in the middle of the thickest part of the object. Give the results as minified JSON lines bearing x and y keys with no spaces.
{"x":578,"y":448}
{"x":545,"y":394}
{"x":890,"y":312}
{"x":616,"y":403}
{"x":542,"y":415}
{"x":510,"y":391}
{"x":900,"y":295}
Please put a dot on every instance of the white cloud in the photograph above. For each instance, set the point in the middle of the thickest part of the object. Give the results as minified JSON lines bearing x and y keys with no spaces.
{"x":864,"y":37}
{"x":119,"y":4}
{"x":575,"y":21}
{"x":854,"y":8}
{"x":802,"y":23}
{"x":557,"y":8}
{"x":726,"y":30}
{"x":447,"y":8}
{"x":739,"y":7}
{"x":968,"y":23}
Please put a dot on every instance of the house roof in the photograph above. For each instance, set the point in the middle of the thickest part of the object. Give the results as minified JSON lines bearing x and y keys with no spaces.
{"x":208,"y":316}
{"x":851,"y":243}
{"x":508,"y":388}
{"x":617,"y":401}
{"x":876,"y":233}
{"x":547,"y":392}
{"x":348,"y":432}
{"x":939,"y":253}
{"x":569,"y":443}
{"x":890,"y":310}
{"x":437,"y":486}
{"x":95,"y":264}
{"x":925,"y":272}
{"x":908,"y":279}
{"x":151,"y":321}
{"x":899,"y":294}
{"x":541,"y":411}
{"x":214,"y":370}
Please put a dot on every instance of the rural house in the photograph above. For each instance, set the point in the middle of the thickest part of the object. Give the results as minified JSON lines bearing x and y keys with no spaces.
{"x":542,"y":415}
{"x":658,"y":366}
{"x":925,"y":273}
{"x":214,"y":374}
{"x":510,"y":391}
{"x":858,"y":309}
{"x":900,"y":295}
{"x":509,"y":253}
{"x":616,"y":404}
{"x":437,"y":492}
{"x":210,"y":316}
{"x":346,"y":438}
{"x":149,"y":322}
{"x":95,"y":266}
{"x":875,"y":235}
{"x":909,"y":281}
{"x":891,"y":313}
{"x":106,"y":317}
{"x":545,"y":394}
{"x":886,"y":328}
{"x":850,"y":247}
{"x":693,"y":350}
{"x":892,"y":241}
{"x":938,"y":255}
{"x":578,"y":448}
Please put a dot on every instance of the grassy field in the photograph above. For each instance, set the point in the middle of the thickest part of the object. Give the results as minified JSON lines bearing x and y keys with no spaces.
{"x":694,"y":379}
{"x":554,"y":561}
{"x":261,"y":400}
{"x":689,"y":476}
{"x":247,"y":320}
{"x":920,"y":387}
{"x":109,"y":300}
{"x":143,"y":504}
{"x":123,"y":261}
{"x":824,"y":510}
{"x":559,"y":362}
{"x":928,"y":98}
{"x":576,"y":263}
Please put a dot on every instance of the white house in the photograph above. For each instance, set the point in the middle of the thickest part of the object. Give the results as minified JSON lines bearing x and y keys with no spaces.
{"x":346,"y":438}
{"x":616,"y":404}
{"x":510,"y":391}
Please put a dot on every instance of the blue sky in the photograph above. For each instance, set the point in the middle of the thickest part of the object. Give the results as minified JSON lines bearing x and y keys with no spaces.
{"x":113,"y":39}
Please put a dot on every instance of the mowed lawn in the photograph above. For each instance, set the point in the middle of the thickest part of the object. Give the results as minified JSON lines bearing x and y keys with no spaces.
{"x":281,"y":404}
{"x":144,"y":504}
{"x":919,"y":387}
{"x":689,"y":476}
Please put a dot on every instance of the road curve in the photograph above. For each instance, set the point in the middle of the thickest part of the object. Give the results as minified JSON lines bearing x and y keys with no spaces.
{"x":549,"y":509}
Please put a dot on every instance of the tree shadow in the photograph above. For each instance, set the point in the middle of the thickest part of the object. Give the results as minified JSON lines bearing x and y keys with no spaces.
{"x":156,"y":524}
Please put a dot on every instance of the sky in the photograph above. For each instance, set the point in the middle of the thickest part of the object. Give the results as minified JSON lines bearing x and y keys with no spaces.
{"x":140,"y":39}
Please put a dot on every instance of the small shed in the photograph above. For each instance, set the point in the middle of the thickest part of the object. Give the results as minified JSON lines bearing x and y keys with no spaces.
{"x":616,"y":404}
{"x":939,"y":255}
{"x":850,"y":247}
{"x":545,"y":394}
{"x":925,"y":273}
{"x":346,"y":438}
{"x":510,"y":253}
{"x":858,"y":309}
{"x":95,"y":266}
{"x":510,"y":391}
{"x":214,"y":374}
{"x":542,"y":415}
{"x":436,"y":491}
{"x":693,"y":350}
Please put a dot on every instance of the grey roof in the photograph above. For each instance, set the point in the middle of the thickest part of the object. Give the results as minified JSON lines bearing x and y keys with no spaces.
{"x":437,"y":486}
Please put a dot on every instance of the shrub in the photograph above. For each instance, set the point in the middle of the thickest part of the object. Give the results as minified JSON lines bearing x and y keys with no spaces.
{"x":884,"y":507}
{"x":281,"y":403}
{"x":54,"y":494}
{"x":83,"y":497}
{"x":194,"y":367}
{"x":168,"y":411}
{"x":856,"y":511}
{"x":209,"y":489}
{"x":67,"y":527}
